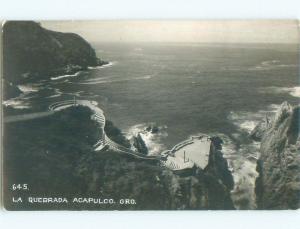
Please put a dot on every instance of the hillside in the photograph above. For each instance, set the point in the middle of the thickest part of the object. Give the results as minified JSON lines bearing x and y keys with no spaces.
{"x":54,"y":155}
{"x":278,"y":186}
{"x":32,"y":53}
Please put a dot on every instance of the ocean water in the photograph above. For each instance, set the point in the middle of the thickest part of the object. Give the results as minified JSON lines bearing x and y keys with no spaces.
{"x":185,"y":89}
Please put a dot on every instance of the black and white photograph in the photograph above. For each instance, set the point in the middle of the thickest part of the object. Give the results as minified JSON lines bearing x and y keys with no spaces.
{"x":107,"y":115}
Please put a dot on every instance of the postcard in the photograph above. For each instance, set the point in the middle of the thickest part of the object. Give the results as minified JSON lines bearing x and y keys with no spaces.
{"x":150,"y":115}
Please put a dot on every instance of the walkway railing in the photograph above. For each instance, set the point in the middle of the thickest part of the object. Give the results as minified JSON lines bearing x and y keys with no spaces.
{"x":56,"y":105}
{"x":100,"y":118}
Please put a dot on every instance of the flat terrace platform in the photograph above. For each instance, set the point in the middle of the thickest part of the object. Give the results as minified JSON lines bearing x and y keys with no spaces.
{"x":189,"y":153}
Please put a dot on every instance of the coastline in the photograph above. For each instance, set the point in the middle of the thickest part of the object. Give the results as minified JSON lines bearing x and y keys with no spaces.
{"x":59,"y":74}
{"x":76,"y":71}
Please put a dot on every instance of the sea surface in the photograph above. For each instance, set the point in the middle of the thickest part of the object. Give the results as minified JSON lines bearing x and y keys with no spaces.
{"x":185,"y":89}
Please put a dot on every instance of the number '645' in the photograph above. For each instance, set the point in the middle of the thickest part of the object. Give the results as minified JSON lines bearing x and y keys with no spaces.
{"x":19,"y":187}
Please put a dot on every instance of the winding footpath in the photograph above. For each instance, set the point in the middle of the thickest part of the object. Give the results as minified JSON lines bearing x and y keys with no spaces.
{"x":100,"y":118}
{"x":184,"y":155}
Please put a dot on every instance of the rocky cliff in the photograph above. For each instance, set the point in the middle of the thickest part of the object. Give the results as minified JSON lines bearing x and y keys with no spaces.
{"x":278,"y":184}
{"x":31,"y":53}
{"x":194,"y":188}
{"x":61,"y":162}
{"x":156,"y":187}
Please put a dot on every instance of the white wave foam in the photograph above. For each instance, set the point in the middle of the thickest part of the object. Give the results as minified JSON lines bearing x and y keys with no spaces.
{"x":110,"y":64}
{"x":109,"y":80}
{"x":28,"y":88}
{"x":274,"y":107}
{"x":16,"y":103}
{"x":271,"y":64}
{"x":242,"y":157}
{"x":243,"y":194}
{"x":22,"y":101}
{"x":153,"y":141}
{"x":65,"y":76}
{"x":57,"y":93}
{"x":245,"y":176}
{"x":293,"y":91}
{"x":246,"y":121}
{"x":248,"y":125}
{"x":77,"y":93}
{"x":242,"y":164}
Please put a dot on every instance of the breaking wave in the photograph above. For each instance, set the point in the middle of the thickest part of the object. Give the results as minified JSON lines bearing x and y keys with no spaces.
{"x":246,"y":121}
{"x":16,"y":103}
{"x":66,"y":76}
{"x":153,"y":141}
{"x":293,"y":91}
{"x":271,"y":64}
{"x":242,"y":155}
{"x":28,"y":88}
{"x":104,"y":80}
{"x":22,"y":101}
{"x":241,"y":159}
{"x":110,"y":64}
{"x":57,"y":93}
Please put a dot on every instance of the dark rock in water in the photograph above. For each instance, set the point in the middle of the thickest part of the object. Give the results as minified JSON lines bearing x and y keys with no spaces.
{"x":217,"y":142}
{"x":218,"y":166}
{"x":153,"y":129}
{"x":115,"y":134}
{"x":278,"y":184}
{"x":10,"y":90}
{"x":210,"y":188}
{"x":140,"y":145}
{"x":31,"y":52}
{"x":138,"y":141}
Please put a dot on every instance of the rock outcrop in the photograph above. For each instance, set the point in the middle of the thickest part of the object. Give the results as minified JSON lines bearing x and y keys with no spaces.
{"x":62,"y":162}
{"x":153,"y":129}
{"x":31,"y":53}
{"x":148,"y":139}
{"x":140,"y":144}
{"x":155,"y":187}
{"x":278,"y":184}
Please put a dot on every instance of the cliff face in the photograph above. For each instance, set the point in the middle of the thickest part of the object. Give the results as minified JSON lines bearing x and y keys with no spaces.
{"x":31,"y":52}
{"x":61,"y":162}
{"x":156,"y":187}
{"x":278,"y":184}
